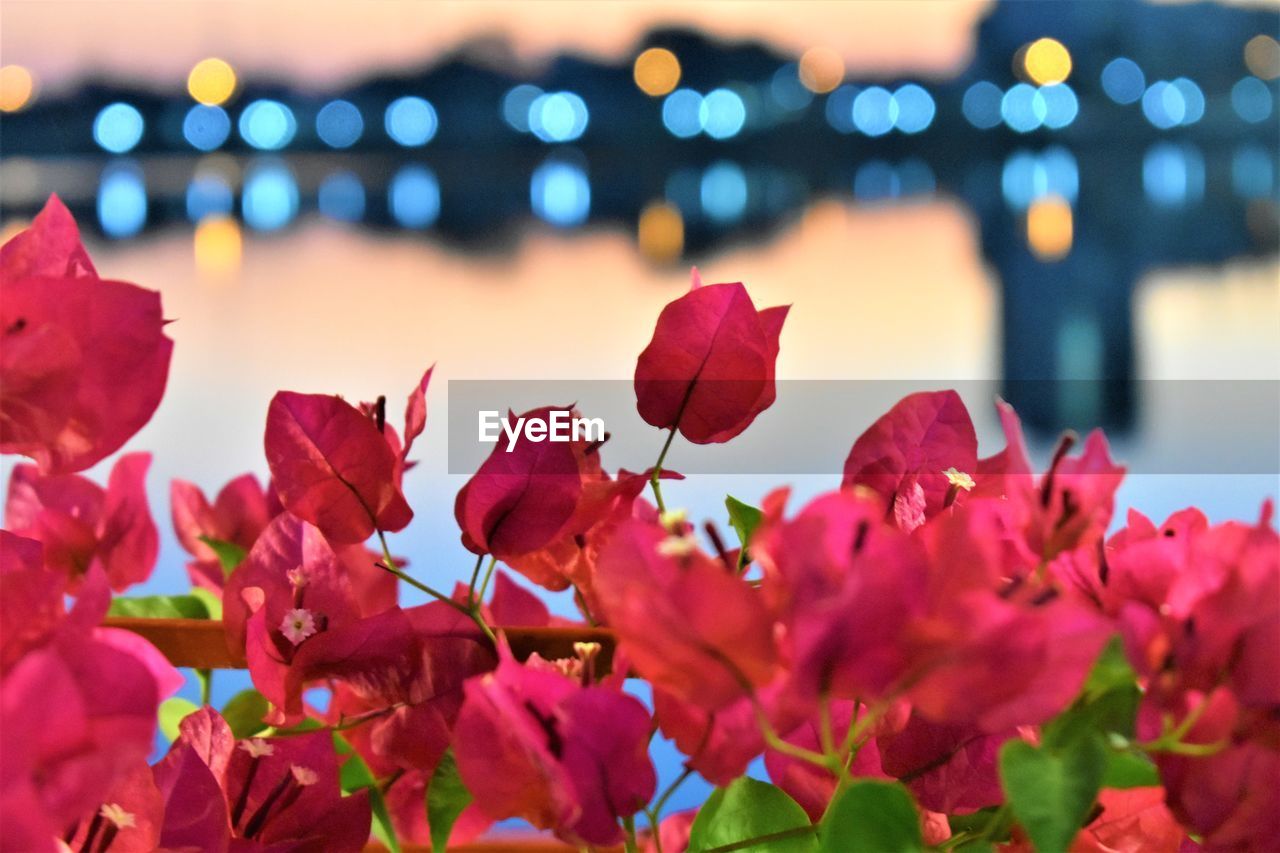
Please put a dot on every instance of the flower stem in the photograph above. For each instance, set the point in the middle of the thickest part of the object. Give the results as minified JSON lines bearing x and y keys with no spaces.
{"x":655,"y":479}
{"x":484,"y":584}
{"x":475,"y":575}
{"x":629,"y":823}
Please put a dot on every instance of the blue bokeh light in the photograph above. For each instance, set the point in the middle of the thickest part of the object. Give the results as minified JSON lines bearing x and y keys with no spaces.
{"x":341,"y":197}
{"x":682,"y":113}
{"x":269,"y":199}
{"x":915,"y":108}
{"x":1252,"y":100}
{"x":875,"y":111}
{"x":558,"y":117}
{"x":981,"y":104}
{"x":267,"y":125}
{"x":414,"y":197}
{"x":118,"y":127}
{"x":1060,"y":105}
{"x":876,"y":181}
{"x":208,"y":195}
{"x":1027,"y":176}
{"x":723,"y":192}
{"x":1253,"y":172}
{"x":1163,"y":105}
{"x":516,"y":103}
{"x":560,"y":193}
{"x":1023,"y":108}
{"x":411,"y":121}
{"x":1173,"y":175}
{"x":1192,"y":99}
{"x":722,"y":113}
{"x":206,"y":128}
{"x":787,"y":90}
{"x":1123,"y":80}
{"x":839,"y":108}
{"x":122,"y":200}
{"x":339,"y":124}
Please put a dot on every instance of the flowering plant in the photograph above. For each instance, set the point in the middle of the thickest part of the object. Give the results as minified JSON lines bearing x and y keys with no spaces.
{"x":946,"y":652}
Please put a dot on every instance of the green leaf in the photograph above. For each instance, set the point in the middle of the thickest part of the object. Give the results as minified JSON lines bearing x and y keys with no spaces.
{"x":744,"y":519}
{"x":355,"y":775}
{"x":1107,"y":704}
{"x":751,"y":809}
{"x":1052,"y":791}
{"x":160,"y":607}
{"x":244,"y":712}
{"x":446,"y":798}
{"x":879,"y":816}
{"x":1129,"y":770}
{"x":212,"y":602}
{"x":172,"y":712}
{"x":229,"y":554}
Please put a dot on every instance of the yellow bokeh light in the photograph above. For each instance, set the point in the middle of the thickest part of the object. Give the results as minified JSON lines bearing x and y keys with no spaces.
{"x":16,"y":88}
{"x":218,"y":245}
{"x":1050,"y":228}
{"x":660,"y":234}
{"x":1262,"y":56}
{"x":657,"y":71}
{"x":821,"y":69}
{"x":1047,"y":61}
{"x":212,"y":81}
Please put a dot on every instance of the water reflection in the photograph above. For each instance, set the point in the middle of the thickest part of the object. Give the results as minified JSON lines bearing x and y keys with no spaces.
{"x":270,"y":197}
{"x":560,"y":193}
{"x":414,"y":197}
{"x":122,"y":200}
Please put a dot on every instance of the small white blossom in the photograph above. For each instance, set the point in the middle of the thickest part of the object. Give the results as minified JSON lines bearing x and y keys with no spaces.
{"x":304,"y":776}
{"x":257,"y":747}
{"x":959,"y":479}
{"x":297,"y":625}
{"x":118,"y":816}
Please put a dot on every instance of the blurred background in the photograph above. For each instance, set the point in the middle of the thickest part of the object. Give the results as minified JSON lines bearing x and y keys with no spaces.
{"x":333,"y":196}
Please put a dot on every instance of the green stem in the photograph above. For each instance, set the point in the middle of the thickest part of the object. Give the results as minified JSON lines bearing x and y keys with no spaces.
{"x":746,"y":843}
{"x":656,"y":809}
{"x":471,"y":612}
{"x":488,"y":573}
{"x":475,"y":575}
{"x":655,"y":479}
{"x":206,"y":686}
{"x":629,"y":823}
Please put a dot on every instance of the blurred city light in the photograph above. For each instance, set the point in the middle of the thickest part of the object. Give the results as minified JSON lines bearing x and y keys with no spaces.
{"x":208,"y":195}
{"x":981,"y":104}
{"x":1050,"y":228}
{"x":660,"y":232}
{"x":722,"y":113}
{"x":558,"y":117}
{"x":1163,"y":105}
{"x":269,"y":199}
{"x":875,"y":111}
{"x":1173,"y":175}
{"x":723,"y":192}
{"x":339,"y":124}
{"x":1251,"y":100}
{"x":122,"y":200}
{"x":875,"y":181}
{"x":267,"y":125}
{"x":1027,"y":176}
{"x":787,"y":90}
{"x":1253,"y":172}
{"x":839,"y":108}
{"x":17,"y":88}
{"x":118,"y":128}
{"x":1123,"y":80}
{"x":218,"y":245}
{"x":1023,"y":108}
{"x":915,"y":108}
{"x":341,"y":197}
{"x":821,"y":69}
{"x":414,"y":197}
{"x":411,"y":121}
{"x":682,"y":113}
{"x":560,"y":193}
{"x":516,"y":103}
{"x":656,"y":71}
{"x":1262,"y":56}
{"x":206,"y":128}
{"x":1060,"y":105}
{"x":211,"y":82}
{"x":1192,"y":100}
{"x":1046,"y":61}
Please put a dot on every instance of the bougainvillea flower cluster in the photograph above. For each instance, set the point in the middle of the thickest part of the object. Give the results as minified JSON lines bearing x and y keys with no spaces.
{"x":947,"y":650}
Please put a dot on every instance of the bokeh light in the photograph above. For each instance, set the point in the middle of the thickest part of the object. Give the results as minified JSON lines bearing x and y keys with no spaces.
{"x":660,"y":232}
{"x":269,"y":199}
{"x":267,"y":125}
{"x":1173,"y":175}
{"x":1252,"y":100}
{"x":206,"y":128}
{"x":118,"y":127}
{"x":212,"y":82}
{"x":839,"y":108}
{"x":414,"y":197}
{"x":723,"y":192}
{"x":722,"y":113}
{"x":786,"y":89}
{"x":218,"y":245}
{"x":1050,"y":228}
{"x":1123,"y":80}
{"x":516,"y":103}
{"x":339,"y":124}
{"x":1023,"y":108}
{"x":560,"y":193}
{"x":1253,"y":172}
{"x":1046,"y":61}
{"x":17,"y":88}
{"x":656,"y":71}
{"x":558,"y":117}
{"x":1060,"y":105}
{"x":208,"y":195}
{"x":411,"y":121}
{"x":1164,"y":105}
{"x":875,"y":111}
{"x":981,"y":104}
{"x":876,"y":181}
{"x":821,"y":70}
{"x":122,"y":200}
{"x":1262,"y":56}
{"x":1027,"y":176}
{"x":682,"y":113}
{"x":341,"y":197}
{"x":915,"y":108}
{"x":1192,"y":100}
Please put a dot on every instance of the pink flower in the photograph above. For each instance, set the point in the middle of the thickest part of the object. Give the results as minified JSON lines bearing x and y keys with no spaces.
{"x":710,"y":367}
{"x":83,"y":525}
{"x":83,"y":360}
{"x":237,"y":515}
